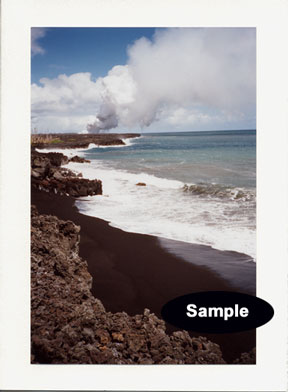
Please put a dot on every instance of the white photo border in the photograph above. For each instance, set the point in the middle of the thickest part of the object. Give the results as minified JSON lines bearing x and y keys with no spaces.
{"x":269,"y":17}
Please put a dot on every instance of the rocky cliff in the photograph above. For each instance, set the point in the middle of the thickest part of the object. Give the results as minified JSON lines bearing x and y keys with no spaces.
{"x":48,"y":175}
{"x":69,"y":325}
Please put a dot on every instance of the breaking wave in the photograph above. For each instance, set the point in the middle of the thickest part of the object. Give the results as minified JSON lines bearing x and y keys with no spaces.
{"x":220,"y":191}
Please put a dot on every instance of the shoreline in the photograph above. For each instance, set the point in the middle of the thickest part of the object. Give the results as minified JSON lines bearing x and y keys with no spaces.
{"x":132,"y":271}
{"x":209,"y":235}
{"x":76,"y":141}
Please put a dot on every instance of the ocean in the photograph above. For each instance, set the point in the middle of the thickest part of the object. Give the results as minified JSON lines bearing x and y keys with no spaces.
{"x":200,"y":187}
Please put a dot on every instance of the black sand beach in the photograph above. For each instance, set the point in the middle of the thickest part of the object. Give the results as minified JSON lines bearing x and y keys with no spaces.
{"x":132,"y":272}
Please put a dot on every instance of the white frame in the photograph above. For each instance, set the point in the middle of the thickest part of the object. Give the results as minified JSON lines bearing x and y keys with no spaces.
{"x":270,"y":19}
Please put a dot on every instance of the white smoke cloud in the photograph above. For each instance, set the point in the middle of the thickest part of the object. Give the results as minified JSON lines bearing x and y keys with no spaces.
{"x":36,"y":34}
{"x":198,"y":77}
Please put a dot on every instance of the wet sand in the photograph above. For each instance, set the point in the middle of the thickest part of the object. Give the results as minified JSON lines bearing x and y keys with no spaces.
{"x":132,"y":272}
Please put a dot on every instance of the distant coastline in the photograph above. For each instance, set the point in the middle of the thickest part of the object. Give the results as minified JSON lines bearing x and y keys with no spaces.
{"x":74,"y":140}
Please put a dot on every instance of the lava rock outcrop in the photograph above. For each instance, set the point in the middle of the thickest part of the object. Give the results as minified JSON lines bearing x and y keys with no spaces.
{"x":69,"y":325}
{"x":48,"y":175}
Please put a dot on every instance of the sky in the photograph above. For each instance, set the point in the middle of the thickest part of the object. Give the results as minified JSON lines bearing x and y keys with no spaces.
{"x":143,"y":79}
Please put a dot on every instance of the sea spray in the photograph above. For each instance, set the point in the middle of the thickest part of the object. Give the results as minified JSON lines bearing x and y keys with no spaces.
{"x":200,"y":188}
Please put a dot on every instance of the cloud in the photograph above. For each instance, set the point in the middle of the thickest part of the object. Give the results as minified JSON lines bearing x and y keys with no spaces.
{"x":182,"y":78}
{"x":36,"y":35}
{"x":65,"y":103}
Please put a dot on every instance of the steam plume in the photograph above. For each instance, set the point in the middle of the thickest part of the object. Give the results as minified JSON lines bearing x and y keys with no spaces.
{"x":188,"y":78}
{"x":180,"y":68}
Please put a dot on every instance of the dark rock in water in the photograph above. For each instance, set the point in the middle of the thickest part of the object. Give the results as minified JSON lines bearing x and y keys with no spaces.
{"x":72,"y":186}
{"x":48,"y":175}
{"x":78,"y":159}
{"x":115,"y":142}
{"x":141,"y":184}
{"x":69,"y":325}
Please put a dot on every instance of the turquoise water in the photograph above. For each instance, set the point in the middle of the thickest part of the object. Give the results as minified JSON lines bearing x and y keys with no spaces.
{"x":226,"y":158}
{"x":200,"y":187}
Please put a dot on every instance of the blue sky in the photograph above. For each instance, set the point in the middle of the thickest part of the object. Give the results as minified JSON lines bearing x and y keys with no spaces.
{"x":143,"y":79}
{"x":73,"y":50}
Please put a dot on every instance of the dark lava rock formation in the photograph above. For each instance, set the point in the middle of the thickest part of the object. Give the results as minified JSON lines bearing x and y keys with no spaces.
{"x":74,"y":140}
{"x":48,"y":175}
{"x":46,"y":171}
{"x":69,"y":325}
{"x":78,"y":159}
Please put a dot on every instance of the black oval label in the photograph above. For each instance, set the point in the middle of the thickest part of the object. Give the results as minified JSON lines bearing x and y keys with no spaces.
{"x":217,"y":312}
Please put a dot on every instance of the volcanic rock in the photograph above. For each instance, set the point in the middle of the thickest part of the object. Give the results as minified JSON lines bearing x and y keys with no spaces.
{"x":79,"y":159}
{"x":69,"y":325}
{"x":48,"y":175}
{"x":72,"y":140}
{"x":76,"y":187}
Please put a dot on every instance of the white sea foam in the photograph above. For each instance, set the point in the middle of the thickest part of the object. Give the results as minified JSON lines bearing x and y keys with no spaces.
{"x":162,"y":208}
{"x":69,"y":152}
{"x":131,"y":140}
